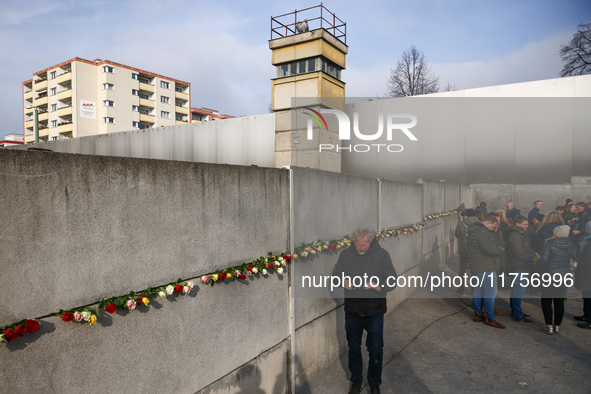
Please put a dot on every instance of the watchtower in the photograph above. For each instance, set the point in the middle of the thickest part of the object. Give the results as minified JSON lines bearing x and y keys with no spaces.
{"x":308,"y":49}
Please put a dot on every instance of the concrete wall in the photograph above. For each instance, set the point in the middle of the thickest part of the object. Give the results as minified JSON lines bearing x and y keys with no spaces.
{"x":91,"y":227}
{"x":248,"y":140}
{"x":529,"y":133}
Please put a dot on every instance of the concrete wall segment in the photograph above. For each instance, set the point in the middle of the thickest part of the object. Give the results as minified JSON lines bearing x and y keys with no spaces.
{"x":78,"y":227}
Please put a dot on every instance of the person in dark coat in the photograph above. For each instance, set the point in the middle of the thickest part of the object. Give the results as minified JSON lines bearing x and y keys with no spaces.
{"x":520,"y":257}
{"x":583,"y":280}
{"x":365,"y":304}
{"x":482,"y":209}
{"x":512,"y":212}
{"x":535,"y":211}
{"x":556,"y":257}
{"x":546,"y":231}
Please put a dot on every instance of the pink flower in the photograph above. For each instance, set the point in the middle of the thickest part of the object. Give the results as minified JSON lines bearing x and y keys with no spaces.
{"x":186,"y":289}
{"x":204,"y":279}
{"x":131,"y":304}
{"x":77,"y":316}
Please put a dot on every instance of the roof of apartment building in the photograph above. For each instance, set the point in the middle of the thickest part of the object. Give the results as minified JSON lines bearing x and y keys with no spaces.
{"x":100,"y":62}
{"x":214,"y":113}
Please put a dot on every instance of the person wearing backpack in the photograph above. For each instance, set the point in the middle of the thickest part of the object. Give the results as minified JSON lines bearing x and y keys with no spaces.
{"x":461,"y":234}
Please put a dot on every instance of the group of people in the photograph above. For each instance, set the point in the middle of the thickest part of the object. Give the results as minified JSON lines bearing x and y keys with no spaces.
{"x":523,"y":248}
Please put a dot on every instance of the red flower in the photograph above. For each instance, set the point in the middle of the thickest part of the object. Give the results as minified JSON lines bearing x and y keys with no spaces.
{"x":177,"y":288}
{"x":223,"y":276}
{"x":270,"y":265}
{"x":111,"y":308}
{"x":250,"y":267}
{"x":32,"y":325}
{"x":242,"y":277}
{"x":10,"y":335}
{"x":67,"y":316}
{"x":287,"y":257}
{"x":21,"y":330}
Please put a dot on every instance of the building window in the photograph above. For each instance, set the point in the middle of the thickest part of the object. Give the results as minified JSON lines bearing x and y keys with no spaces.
{"x":53,"y":107}
{"x":54,"y":123}
{"x":108,"y":69}
{"x":135,"y":92}
{"x":108,"y":86}
{"x":53,"y":92}
{"x":135,"y":108}
{"x":135,"y":124}
{"x":109,"y":120}
{"x":52,"y":75}
{"x":108,"y":103}
{"x":165,"y":115}
{"x":164,"y":84}
{"x":165,"y":100}
{"x":133,"y":76}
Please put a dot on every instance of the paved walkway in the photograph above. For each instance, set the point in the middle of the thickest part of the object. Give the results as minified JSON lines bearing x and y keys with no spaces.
{"x":432,"y":345}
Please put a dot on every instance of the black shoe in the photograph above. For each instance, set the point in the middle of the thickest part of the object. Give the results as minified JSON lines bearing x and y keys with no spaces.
{"x":374,"y":389}
{"x":581,"y":318}
{"x":584,"y":325}
{"x":523,"y":320}
{"x":524,"y":315}
{"x":355,"y":389}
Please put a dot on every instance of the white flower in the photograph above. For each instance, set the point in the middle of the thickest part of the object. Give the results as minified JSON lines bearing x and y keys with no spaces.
{"x":264,"y":271}
{"x":281,"y":258}
{"x":313,"y":251}
{"x":1,"y":337}
{"x":266,"y":260}
{"x":255,"y":270}
{"x":86,"y":315}
{"x":169,"y":289}
{"x":190,"y":284}
{"x":162,"y":293}
{"x":186,"y":289}
{"x":279,"y":270}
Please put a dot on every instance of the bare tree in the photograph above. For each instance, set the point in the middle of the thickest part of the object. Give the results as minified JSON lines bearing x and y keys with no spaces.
{"x":576,"y":56}
{"x":412,"y":75}
{"x":449,"y":87}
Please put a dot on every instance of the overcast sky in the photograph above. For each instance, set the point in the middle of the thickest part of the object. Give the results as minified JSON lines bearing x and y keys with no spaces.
{"x":221,"y":47}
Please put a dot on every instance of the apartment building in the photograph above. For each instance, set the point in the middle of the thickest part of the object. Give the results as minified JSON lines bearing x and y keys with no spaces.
{"x":206,"y":115}
{"x":80,"y":97}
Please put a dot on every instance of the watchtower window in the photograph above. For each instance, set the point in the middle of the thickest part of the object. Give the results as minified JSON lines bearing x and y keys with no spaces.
{"x":307,"y":66}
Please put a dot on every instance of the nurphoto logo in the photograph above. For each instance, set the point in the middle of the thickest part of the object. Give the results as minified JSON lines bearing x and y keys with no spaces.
{"x":386,"y":122}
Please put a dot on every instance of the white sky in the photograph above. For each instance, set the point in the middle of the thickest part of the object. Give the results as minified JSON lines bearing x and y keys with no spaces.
{"x":221,"y":47}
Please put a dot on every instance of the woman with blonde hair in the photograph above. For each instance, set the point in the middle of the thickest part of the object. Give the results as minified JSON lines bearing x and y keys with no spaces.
{"x":546,"y":231}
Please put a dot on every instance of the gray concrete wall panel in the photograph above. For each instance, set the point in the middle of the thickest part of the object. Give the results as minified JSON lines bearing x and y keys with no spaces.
{"x":401,"y":204}
{"x":176,"y":346}
{"x":114,"y":217}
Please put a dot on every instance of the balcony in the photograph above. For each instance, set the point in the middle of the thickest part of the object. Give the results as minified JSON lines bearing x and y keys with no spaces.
{"x":65,"y":77}
{"x":147,"y":118}
{"x":43,"y":132}
{"x":29,"y":138}
{"x":147,"y":87}
{"x":64,"y":111}
{"x":28,"y":95}
{"x":182,"y":110}
{"x":181,"y":96}
{"x":147,"y":103}
{"x":64,"y":94}
{"x":30,"y":124}
{"x":41,"y":85}
{"x":39,"y":101}
{"x":43,"y":117}
{"x":180,"y":122}
{"x":65,"y":128}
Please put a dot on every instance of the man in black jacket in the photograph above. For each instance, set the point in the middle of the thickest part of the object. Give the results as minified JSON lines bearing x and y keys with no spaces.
{"x":368,"y":274}
{"x":520,"y":256}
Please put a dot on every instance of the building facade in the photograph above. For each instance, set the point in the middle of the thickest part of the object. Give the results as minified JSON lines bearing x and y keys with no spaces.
{"x":206,"y":115}
{"x":80,"y":97}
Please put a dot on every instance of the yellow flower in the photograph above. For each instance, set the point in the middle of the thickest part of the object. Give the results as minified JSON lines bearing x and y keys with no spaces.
{"x":338,"y":246}
{"x":229,"y":275}
{"x":92,"y":320}
{"x":214,"y":277}
{"x":145,"y":300}
{"x":295,"y":256}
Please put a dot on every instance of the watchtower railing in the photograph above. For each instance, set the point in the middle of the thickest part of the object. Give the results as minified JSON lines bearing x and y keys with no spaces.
{"x":317,"y":17}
